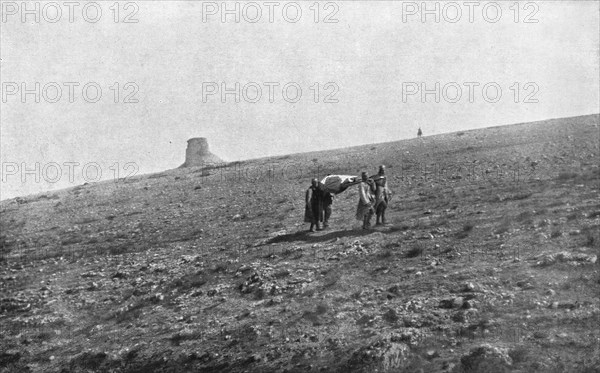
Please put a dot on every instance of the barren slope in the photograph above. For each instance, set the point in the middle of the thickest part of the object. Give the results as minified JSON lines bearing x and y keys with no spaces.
{"x":489,"y":263}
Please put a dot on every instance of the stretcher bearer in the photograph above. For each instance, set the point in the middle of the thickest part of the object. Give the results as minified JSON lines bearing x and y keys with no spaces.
{"x":364,"y":210}
{"x":382,"y":195}
{"x":327,"y":208}
{"x":313,"y":211}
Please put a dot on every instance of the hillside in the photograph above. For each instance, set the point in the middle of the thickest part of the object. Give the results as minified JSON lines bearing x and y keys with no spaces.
{"x":488,"y":263}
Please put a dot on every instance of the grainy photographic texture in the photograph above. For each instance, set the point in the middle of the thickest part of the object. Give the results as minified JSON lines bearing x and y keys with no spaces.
{"x":299,"y":186}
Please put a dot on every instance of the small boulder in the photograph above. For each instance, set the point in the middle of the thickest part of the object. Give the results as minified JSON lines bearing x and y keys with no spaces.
{"x":430,"y":354}
{"x":391,"y":316}
{"x":394,"y":289}
{"x":468,"y":304}
{"x":486,"y":358}
{"x":452,"y":303}
{"x":92,"y":286}
{"x":469,"y":286}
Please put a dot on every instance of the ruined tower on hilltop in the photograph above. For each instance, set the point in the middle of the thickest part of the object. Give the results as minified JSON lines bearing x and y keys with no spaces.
{"x":197,"y":154}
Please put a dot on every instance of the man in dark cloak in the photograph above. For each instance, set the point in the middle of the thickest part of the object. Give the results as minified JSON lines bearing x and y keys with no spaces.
{"x":313,"y":211}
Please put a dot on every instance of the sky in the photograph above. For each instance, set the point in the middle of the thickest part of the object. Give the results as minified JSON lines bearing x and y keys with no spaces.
{"x":128,"y":95}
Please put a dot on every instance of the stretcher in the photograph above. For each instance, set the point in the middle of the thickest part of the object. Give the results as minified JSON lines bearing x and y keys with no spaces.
{"x":336,"y":184}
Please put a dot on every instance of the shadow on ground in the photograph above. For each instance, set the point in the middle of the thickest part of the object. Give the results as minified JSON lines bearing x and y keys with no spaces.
{"x":326,"y":235}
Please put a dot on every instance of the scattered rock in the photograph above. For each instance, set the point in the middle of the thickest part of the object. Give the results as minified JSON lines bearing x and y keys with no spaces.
{"x":382,"y":355}
{"x":486,"y":358}
{"x":465,"y":315}
{"x":366,"y":320}
{"x":525,"y":285}
{"x":119,"y":275}
{"x":568,"y":305}
{"x":9,"y":357}
{"x":276,"y":300}
{"x":566,"y":257}
{"x":254,"y":358}
{"x":468,"y":304}
{"x":469,"y":286}
{"x":430,"y":354}
{"x":394,"y":289}
{"x":391,"y":316}
{"x":448,"y":366}
{"x":251,"y":284}
{"x":457,"y":302}
{"x":90,"y":274}
{"x":452,"y":303}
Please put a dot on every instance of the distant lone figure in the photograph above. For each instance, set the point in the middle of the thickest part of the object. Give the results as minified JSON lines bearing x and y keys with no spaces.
{"x":313,"y":211}
{"x":364,"y":210}
{"x":419,"y":132}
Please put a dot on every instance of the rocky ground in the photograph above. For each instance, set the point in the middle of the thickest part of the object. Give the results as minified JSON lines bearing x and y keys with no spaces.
{"x":489,"y":264}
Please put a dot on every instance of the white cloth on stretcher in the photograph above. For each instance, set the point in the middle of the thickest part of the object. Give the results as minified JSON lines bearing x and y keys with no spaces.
{"x":338,"y":183}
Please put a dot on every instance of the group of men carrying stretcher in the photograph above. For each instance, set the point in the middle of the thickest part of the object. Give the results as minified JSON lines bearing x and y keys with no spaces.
{"x":374,"y":196}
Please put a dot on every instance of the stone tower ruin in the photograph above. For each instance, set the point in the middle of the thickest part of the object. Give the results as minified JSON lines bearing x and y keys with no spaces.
{"x":197,"y":154}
